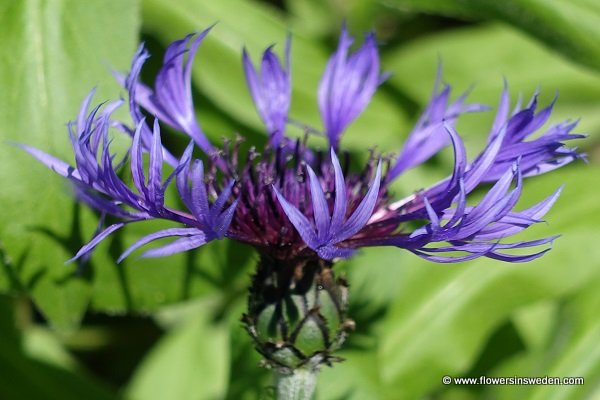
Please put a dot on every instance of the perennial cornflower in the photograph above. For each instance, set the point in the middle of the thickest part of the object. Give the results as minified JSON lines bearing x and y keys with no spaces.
{"x":303,"y":209}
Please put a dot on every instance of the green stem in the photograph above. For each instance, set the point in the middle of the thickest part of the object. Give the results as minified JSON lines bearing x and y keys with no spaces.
{"x":298,"y":385}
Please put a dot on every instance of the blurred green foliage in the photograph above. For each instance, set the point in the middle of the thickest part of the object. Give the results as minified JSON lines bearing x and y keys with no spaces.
{"x":169,"y":328}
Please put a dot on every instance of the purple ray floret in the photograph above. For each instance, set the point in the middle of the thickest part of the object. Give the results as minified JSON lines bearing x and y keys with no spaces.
{"x":347,"y":85}
{"x":171,"y":100}
{"x":271,"y":90}
{"x":294,"y":204}
{"x":474,"y":230}
{"x":330,"y":230}
{"x":540,"y":155}
{"x":429,"y":135}
{"x":98,"y":184}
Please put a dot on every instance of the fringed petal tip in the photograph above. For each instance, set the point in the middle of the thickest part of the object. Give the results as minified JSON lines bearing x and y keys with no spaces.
{"x":477,"y":230}
{"x":474,"y":250}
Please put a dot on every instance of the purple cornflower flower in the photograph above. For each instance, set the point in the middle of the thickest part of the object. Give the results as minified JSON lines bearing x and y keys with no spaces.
{"x":292,"y":203}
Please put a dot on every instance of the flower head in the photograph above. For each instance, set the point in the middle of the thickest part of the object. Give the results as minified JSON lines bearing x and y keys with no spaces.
{"x":292,"y":203}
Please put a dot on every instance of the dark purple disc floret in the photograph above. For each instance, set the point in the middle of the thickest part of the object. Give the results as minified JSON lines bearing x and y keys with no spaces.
{"x":293,"y":203}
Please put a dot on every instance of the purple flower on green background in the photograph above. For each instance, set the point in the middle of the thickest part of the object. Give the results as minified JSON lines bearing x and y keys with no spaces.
{"x":294,"y":203}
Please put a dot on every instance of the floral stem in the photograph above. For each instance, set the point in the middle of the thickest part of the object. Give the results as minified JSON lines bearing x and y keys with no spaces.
{"x":298,"y":385}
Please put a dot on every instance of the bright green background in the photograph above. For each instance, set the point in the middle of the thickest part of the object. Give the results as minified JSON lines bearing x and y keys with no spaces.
{"x":169,"y":328}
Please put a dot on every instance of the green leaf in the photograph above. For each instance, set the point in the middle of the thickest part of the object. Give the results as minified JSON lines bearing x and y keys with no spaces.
{"x":143,"y":285}
{"x":190,"y":362}
{"x":358,"y":377}
{"x":535,"y":323}
{"x":576,"y":334}
{"x":571,"y":352}
{"x":569,"y":26}
{"x":312,"y":17}
{"x":444,"y":313}
{"x":26,"y":377}
{"x":54,"y":52}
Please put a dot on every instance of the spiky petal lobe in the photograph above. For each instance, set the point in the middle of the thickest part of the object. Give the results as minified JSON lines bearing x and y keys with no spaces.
{"x":271,"y":90}
{"x":429,"y":135}
{"x":348,"y":84}
{"x":97,"y":183}
{"x":171,"y":100}
{"x":329,"y":231}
